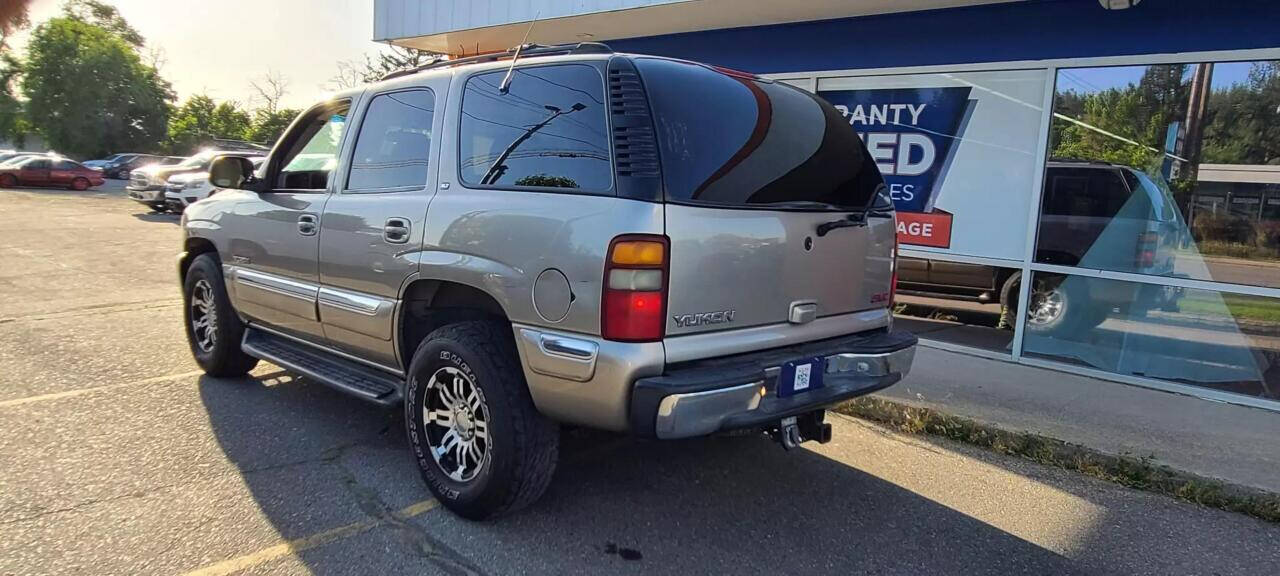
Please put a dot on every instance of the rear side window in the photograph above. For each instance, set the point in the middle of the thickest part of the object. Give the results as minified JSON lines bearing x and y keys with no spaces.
{"x":727,"y":139}
{"x":547,"y":131}
{"x":1084,"y":192}
{"x":394,"y":142}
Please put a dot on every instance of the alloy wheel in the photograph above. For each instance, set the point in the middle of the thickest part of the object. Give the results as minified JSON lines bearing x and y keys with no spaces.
{"x":1047,"y":303}
{"x":204,"y":316}
{"x":456,"y":422}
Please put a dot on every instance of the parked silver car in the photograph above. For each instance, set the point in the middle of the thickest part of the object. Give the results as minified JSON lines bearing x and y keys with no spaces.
{"x":628,"y":243}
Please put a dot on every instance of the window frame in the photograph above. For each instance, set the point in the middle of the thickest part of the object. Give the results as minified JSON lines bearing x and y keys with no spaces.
{"x":290,"y":137}
{"x":599,"y":66}
{"x":348,"y":162}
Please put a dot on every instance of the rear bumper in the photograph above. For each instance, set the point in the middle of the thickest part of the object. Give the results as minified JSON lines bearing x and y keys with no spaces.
{"x":699,"y":398}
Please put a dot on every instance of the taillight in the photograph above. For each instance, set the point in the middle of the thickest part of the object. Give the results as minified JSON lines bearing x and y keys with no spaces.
{"x":1147,"y":244}
{"x":634,"y":303}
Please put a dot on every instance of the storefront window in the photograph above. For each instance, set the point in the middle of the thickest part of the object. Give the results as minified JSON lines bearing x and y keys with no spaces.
{"x":1166,"y":170}
{"x":1230,"y":342}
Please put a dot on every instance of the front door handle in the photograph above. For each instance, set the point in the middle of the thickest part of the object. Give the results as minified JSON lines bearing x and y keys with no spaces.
{"x":307,"y":225}
{"x":396,"y":230}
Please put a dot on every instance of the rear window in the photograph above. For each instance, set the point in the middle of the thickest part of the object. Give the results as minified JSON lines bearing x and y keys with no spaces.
{"x":735,"y":141}
{"x":547,"y":130}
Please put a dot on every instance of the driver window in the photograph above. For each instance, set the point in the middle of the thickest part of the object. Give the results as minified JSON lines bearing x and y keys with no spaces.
{"x":313,"y":154}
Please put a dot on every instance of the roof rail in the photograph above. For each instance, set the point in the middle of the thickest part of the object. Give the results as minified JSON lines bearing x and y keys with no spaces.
{"x":526,"y":51}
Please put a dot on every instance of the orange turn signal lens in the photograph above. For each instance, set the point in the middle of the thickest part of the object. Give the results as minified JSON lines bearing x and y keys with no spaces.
{"x":638,"y":253}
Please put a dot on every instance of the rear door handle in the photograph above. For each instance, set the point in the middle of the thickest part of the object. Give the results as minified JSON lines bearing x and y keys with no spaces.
{"x":307,"y":225}
{"x":396,"y":230}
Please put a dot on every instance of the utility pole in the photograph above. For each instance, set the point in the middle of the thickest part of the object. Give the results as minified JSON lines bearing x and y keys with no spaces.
{"x":499,"y":166}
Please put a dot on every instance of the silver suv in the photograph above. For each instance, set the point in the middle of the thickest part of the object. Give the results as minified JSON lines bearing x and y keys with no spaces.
{"x":499,"y":245}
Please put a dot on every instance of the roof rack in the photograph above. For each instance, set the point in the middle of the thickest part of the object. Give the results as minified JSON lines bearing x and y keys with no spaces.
{"x":526,"y":51}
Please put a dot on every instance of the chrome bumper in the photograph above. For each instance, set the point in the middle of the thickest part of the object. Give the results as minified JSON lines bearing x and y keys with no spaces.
{"x":755,"y":401}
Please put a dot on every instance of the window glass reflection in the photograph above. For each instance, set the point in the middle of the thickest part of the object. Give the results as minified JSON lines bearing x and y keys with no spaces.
{"x":1168,"y":170}
{"x":1224,"y":341}
{"x":546,"y":131}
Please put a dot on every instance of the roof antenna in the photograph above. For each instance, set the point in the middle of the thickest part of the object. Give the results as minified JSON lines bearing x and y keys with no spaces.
{"x":506,"y":80}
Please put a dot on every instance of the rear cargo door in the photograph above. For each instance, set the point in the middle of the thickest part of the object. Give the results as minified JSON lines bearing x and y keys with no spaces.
{"x":775,"y":211}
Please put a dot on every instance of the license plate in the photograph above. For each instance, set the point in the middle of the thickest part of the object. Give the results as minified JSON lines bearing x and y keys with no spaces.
{"x":800,"y":376}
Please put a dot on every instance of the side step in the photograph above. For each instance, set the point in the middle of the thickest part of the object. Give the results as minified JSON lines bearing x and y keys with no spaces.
{"x":345,"y":375}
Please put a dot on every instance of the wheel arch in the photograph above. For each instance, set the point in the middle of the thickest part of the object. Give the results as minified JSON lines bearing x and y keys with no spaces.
{"x":192,"y":248}
{"x":428,"y":304}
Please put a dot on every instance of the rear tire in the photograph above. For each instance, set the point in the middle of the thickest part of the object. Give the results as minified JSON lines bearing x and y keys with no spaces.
{"x":482,"y":447}
{"x":213,"y":329}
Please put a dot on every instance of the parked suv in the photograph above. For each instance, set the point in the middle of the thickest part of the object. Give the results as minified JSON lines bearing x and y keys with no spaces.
{"x":498,"y":247}
{"x":1093,"y":215}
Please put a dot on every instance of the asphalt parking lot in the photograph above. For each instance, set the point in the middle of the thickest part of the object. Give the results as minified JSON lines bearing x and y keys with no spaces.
{"x":118,"y":457}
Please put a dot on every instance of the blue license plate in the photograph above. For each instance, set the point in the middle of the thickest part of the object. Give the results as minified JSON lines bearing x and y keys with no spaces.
{"x":800,"y":376}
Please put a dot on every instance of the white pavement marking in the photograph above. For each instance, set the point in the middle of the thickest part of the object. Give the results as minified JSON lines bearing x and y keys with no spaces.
{"x":82,"y":391}
{"x":288,"y":547}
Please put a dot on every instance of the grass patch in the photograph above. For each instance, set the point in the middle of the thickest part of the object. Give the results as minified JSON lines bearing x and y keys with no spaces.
{"x":1139,"y":473}
{"x":1237,"y":305}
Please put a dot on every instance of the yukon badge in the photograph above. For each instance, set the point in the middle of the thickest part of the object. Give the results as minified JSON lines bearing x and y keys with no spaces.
{"x":703,"y":318}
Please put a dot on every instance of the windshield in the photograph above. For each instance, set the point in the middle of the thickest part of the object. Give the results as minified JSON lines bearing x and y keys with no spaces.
{"x":200,"y":160}
{"x":728,"y":139}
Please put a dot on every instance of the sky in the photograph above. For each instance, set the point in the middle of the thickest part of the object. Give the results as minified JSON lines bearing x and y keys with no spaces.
{"x":1088,"y":80}
{"x":216,"y":47}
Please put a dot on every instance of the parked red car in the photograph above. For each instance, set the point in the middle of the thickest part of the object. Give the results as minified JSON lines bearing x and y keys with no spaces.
{"x":55,"y":172}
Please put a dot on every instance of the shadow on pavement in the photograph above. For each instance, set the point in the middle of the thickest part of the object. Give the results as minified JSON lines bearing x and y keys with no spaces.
{"x":157,"y":217}
{"x":715,"y":505}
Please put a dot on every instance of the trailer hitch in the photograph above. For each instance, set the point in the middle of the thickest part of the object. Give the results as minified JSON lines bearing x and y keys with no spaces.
{"x":795,"y":430}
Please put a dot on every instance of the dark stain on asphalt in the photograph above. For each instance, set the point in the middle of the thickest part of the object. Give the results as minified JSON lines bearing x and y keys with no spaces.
{"x":624,"y":553}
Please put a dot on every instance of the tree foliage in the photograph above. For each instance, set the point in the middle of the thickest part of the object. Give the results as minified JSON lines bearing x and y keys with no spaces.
{"x":268,"y":125}
{"x":13,"y":17}
{"x":1241,"y":123}
{"x":88,"y":90}
{"x":104,"y":16}
{"x":1140,"y":113}
{"x":199,"y":120}
{"x":1244,"y":122}
{"x":12,"y":119}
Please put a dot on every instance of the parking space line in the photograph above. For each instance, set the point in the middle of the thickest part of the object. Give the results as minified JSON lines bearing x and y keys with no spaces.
{"x":82,"y":391}
{"x":306,"y":543}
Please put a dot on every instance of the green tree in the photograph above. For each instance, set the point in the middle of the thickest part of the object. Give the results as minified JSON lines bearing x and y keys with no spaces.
{"x":13,"y":16}
{"x":12,"y":120}
{"x":268,"y":125}
{"x":104,"y":16}
{"x":88,"y":91}
{"x":200,"y":120}
{"x":1121,"y":125}
{"x":1243,"y":124}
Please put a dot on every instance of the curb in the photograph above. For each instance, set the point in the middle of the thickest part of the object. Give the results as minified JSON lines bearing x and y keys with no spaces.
{"x":1140,"y":473}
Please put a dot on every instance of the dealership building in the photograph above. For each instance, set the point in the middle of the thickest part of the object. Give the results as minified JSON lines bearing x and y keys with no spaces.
{"x":1109,"y":170}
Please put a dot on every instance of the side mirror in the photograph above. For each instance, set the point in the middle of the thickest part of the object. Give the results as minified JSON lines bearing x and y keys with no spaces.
{"x":230,"y":171}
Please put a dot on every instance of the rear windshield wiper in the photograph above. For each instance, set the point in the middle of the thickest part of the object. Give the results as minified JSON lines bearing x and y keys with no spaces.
{"x":852,"y":220}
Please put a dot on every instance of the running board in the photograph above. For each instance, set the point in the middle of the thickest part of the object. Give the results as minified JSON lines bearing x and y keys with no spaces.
{"x":351,"y":377}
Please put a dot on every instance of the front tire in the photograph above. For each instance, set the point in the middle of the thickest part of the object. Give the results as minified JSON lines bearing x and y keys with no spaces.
{"x":213,"y":329}
{"x":80,"y":184}
{"x":483,"y":449}
{"x":8,"y":181}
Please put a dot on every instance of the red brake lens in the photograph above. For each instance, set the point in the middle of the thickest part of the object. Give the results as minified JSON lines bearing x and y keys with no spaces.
{"x":632,"y":310}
